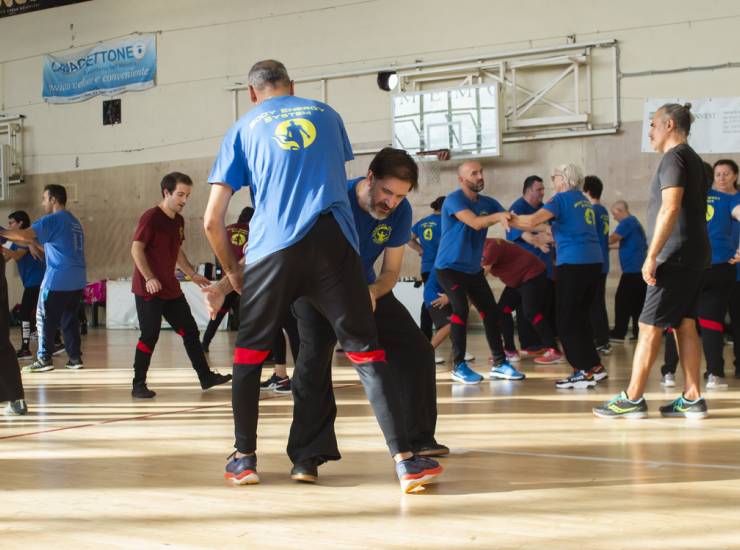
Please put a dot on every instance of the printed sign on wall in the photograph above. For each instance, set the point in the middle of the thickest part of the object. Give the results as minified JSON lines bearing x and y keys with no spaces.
{"x":716,"y":128}
{"x":111,"y":68}
{"x":19,"y":7}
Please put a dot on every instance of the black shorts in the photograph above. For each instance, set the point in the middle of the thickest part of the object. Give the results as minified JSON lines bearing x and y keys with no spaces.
{"x":673,"y":298}
{"x":440,"y":316}
{"x":28,"y":303}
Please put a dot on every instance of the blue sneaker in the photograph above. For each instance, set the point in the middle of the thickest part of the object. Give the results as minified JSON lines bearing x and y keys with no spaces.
{"x":463,"y":373}
{"x":415,"y":472}
{"x":506,"y":372}
{"x":242,"y":471}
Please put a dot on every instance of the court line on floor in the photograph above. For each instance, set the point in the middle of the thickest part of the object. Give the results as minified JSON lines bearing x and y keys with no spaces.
{"x":143,"y":416}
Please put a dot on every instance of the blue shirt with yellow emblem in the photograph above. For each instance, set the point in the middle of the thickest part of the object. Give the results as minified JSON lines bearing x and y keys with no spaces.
{"x":719,"y":225}
{"x":574,"y":228}
{"x":290,"y":152}
{"x":428,"y":230}
{"x":377,"y":235}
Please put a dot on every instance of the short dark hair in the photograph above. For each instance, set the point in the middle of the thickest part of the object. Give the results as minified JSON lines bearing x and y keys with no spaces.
{"x":593,"y":186}
{"x":21,"y":216}
{"x":270,"y":73}
{"x":529,"y":182}
{"x":395,"y":163}
{"x":246,"y":215}
{"x":727,"y":162}
{"x":57,"y":192}
{"x":437,"y":203}
{"x":680,"y":115}
{"x":170,"y":181}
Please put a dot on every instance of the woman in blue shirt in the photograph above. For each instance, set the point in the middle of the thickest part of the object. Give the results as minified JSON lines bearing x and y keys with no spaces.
{"x":578,"y":270}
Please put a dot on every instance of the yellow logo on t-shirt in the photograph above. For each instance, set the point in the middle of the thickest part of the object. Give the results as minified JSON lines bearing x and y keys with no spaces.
{"x":710,"y":212}
{"x":589,"y":215}
{"x":238,"y":239}
{"x":381,"y":233}
{"x":295,"y":134}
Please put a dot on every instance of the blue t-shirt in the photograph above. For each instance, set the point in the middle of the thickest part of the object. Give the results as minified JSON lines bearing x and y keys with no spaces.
{"x":523,"y":208}
{"x":602,"y":223}
{"x":428,"y":230}
{"x":574,"y":228}
{"x":64,"y":248}
{"x":632,"y":245}
{"x":432,"y":289}
{"x":736,"y":241}
{"x":719,"y":225}
{"x":377,"y":235}
{"x":461,"y":246}
{"x":290,"y":152}
{"x":30,"y":269}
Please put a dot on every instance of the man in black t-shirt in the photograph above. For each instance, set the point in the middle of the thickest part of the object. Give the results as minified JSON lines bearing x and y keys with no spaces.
{"x":678,"y":254}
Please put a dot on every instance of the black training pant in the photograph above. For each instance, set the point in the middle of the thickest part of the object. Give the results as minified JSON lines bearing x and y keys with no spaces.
{"x":628,"y":303}
{"x":458,"y":286}
{"x":735,"y":320}
{"x":410,"y":360}
{"x":597,"y":313}
{"x":714,"y":298}
{"x":290,"y":327}
{"x":325,"y":269}
{"x":230,"y":302}
{"x":426,"y":324}
{"x":577,"y":285}
{"x":11,"y":386}
{"x":177,"y":313}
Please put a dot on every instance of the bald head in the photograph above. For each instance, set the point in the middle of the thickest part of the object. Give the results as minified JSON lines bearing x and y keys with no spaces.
{"x":470,"y":176}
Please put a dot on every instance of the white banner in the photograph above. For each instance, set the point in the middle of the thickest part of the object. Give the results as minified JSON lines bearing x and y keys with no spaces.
{"x":716,"y":128}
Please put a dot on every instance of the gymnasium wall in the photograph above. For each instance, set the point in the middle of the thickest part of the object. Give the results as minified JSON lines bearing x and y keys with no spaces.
{"x":113,"y":172}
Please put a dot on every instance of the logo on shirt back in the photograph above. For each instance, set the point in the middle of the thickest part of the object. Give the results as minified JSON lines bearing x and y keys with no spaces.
{"x":381,"y":233}
{"x":238,"y":239}
{"x":295,"y":134}
{"x":710,"y":212}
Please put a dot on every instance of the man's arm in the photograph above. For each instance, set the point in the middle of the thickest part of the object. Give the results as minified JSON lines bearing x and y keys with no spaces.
{"x":137,"y":253}
{"x":664,"y":224}
{"x":215,"y":294}
{"x":389,"y":272}
{"x":531,"y":221}
{"x":614,"y":238}
{"x":214,"y":223}
{"x":415,"y":245}
{"x":187,"y":268}
{"x":24,"y":236}
{"x":14,"y":254}
{"x":469,"y":218}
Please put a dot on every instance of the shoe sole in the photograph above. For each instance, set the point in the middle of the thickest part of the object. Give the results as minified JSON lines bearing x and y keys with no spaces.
{"x":469,"y":358}
{"x":439,"y":361}
{"x":31,"y":371}
{"x":600,"y":377}
{"x":670,"y":385}
{"x":304,"y":478}
{"x":435,"y":452}
{"x":462,"y":381}
{"x":74,"y":367}
{"x":553,"y":362}
{"x":719,"y":387}
{"x":626,"y":416}
{"x":250,"y":479}
{"x":498,"y":376}
{"x":283,"y":392}
{"x":577,"y":385}
{"x":514,"y":359}
{"x":688,"y":415}
{"x":417,"y":484}
{"x":271,"y":388}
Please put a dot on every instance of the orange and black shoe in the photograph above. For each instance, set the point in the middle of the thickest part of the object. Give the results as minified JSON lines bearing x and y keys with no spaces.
{"x":417,"y":471}
{"x":242,"y":471}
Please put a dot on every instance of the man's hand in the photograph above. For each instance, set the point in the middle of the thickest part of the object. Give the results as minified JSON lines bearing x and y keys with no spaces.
{"x":736,"y":259}
{"x":371,"y":290}
{"x":442,"y":301}
{"x":236,"y":279}
{"x":200,"y":280}
{"x":503,"y":218}
{"x":153,"y":285}
{"x":214,"y":298}
{"x":648,"y":270}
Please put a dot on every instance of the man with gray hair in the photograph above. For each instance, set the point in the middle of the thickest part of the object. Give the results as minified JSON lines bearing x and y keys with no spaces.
{"x":630,"y":236}
{"x":290,"y":152}
{"x":678,"y":255}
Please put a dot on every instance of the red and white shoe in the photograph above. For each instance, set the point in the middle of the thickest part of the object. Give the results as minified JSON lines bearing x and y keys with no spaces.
{"x":527,"y":353}
{"x":512,"y":356}
{"x":550,"y":357}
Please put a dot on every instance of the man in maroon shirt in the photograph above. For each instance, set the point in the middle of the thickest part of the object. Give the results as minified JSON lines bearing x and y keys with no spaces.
{"x":525,"y":278}
{"x":156,"y":251}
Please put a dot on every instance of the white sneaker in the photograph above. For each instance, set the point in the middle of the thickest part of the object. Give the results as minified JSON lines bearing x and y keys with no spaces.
{"x":668,"y":380}
{"x":715,"y":382}
{"x":469,"y":357}
{"x":438,"y":360}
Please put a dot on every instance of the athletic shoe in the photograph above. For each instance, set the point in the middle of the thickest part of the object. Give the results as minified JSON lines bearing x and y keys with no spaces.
{"x":550,"y":357}
{"x":24,"y":353}
{"x":271,"y":383}
{"x":527,"y":353}
{"x":578,"y":380}
{"x":463,"y":373}
{"x":306,"y":471}
{"x":213,"y":378}
{"x":16,"y":408}
{"x":469,"y":357}
{"x":599,"y":373}
{"x":142,"y":392}
{"x":506,"y":372}
{"x":683,"y":408}
{"x":40,"y":365}
{"x":716,"y":383}
{"x":74,"y":364}
{"x":621,"y":407}
{"x":668,"y":380}
{"x":431,"y":449}
{"x":283,"y":386}
{"x":632,"y":338}
{"x":58,"y":348}
{"x":415,"y":472}
{"x":242,"y":471}
{"x":606,"y":349}
{"x":438,"y":360}
{"x":617,"y":339}
{"x":512,"y":356}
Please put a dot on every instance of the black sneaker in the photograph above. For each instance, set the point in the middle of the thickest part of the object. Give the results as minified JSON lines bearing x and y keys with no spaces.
{"x":24,"y":353}
{"x":214,"y":379}
{"x":431,"y":449}
{"x":283,"y":386}
{"x":74,"y":364}
{"x":306,"y":471}
{"x":271,"y":383}
{"x":621,"y":407}
{"x":142,"y":392}
{"x":242,"y":471}
{"x":617,"y":339}
{"x":683,"y":408}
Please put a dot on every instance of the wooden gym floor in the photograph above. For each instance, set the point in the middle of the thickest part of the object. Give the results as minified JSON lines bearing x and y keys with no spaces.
{"x":530,"y":466}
